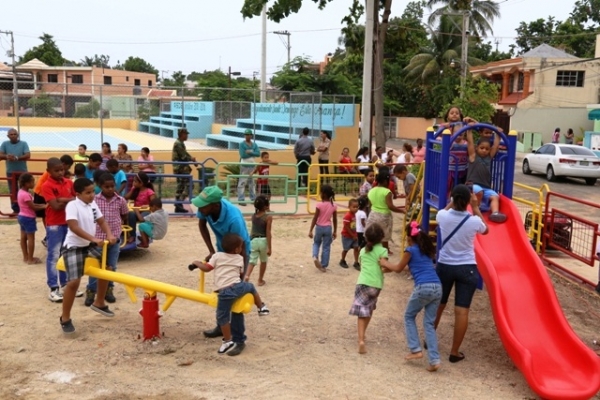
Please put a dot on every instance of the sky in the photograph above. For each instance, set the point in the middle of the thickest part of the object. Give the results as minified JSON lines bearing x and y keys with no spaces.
{"x":206,"y":35}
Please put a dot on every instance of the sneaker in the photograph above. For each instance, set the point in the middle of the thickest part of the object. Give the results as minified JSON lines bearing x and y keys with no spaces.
{"x":237,"y":349}
{"x":109,"y":296}
{"x":343,"y":264}
{"x":226,"y":345}
{"x":79,"y":293}
{"x":103,"y":310}
{"x":213,"y":333}
{"x":90,"y":295}
{"x":263,"y":310}
{"x":55,"y":296}
{"x":497,"y":217}
{"x":44,"y":242}
{"x":356,"y":266}
{"x":67,"y":326}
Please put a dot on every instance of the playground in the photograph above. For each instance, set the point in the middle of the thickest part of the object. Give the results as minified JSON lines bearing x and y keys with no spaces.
{"x":305,"y":339}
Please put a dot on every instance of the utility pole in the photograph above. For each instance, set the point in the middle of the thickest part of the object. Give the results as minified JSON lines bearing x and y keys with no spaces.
{"x":367,"y":89}
{"x":464,"y":52}
{"x":11,"y":54}
{"x":229,"y":73}
{"x":263,"y":58}
{"x":287,"y":44}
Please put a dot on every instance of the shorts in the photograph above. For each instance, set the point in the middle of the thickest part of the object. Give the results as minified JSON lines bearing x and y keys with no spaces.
{"x":37,"y":199}
{"x":349,"y":243}
{"x":365,"y":301}
{"x":227,"y":296}
{"x":263,"y":189}
{"x":28,"y":224}
{"x":258,"y":247}
{"x":147,"y":228}
{"x":74,"y":259}
{"x":362,"y":242}
{"x":385,"y":221}
{"x":487,"y":194}
{"x":466,"y":278}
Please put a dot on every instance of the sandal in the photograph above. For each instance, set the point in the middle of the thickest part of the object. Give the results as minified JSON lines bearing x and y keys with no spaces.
{"x":455,"y":359}
{"x":35,"y":260}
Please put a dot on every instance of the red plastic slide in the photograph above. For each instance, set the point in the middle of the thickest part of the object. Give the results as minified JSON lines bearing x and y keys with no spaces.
{"x":529,"y":319}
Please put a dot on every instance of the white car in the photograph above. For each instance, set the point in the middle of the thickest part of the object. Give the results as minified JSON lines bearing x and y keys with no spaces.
{"x":557,"y":159}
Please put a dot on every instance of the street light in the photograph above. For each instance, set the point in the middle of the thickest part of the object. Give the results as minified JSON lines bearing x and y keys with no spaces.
{"x":237,"y":73}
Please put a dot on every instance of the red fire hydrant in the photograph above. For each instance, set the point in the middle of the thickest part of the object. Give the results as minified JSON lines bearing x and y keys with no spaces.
{"x":150,"y":316}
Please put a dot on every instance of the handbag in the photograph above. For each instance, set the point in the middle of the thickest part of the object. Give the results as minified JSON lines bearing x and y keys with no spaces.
{"x":444,"y":241}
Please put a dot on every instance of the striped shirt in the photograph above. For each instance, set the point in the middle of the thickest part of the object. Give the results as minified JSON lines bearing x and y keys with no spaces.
{"x":112,"y":209}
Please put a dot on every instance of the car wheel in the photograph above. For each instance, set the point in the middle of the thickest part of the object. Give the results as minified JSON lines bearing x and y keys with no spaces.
{"x":550,"y":174}
{"x":590,"y":181}
{"x":526,"y":169}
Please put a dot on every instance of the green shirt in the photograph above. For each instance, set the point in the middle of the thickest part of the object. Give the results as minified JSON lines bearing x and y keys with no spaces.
{"x":370,"y":271}
{"x":377,"y":197}
{"x":180,"y":154}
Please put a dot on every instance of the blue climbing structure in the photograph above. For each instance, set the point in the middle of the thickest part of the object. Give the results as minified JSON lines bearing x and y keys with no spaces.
{"x":438,"y":168}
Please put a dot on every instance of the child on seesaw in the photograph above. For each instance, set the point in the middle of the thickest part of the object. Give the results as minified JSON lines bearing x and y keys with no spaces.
{"x":153,"y":226}
{"x":229,"y":269}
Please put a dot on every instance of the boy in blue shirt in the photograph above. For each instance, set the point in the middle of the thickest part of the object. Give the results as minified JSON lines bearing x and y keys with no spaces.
{"x":112,"y":166}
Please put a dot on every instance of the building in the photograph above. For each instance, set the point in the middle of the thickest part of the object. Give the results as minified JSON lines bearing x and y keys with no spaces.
{"x":546,"y":88}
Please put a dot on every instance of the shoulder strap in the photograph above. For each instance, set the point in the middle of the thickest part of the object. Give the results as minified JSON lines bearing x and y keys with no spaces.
{"x":455,"y":230}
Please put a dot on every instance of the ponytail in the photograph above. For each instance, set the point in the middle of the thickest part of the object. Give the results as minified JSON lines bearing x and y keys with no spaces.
{"x":421,"y":239}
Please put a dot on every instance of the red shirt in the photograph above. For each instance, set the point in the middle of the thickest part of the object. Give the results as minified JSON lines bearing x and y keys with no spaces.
{"x":262,"y":170}
{"x":349,"y":218}
{"x":345,"y":160}
{"x":53,"y":189}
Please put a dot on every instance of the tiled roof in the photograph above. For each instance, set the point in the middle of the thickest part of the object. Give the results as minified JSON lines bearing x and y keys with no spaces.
{"x":33,"y":64}
{"x":547,"y":51}
{"x":512,"y":98}
{"x":162,"y":93}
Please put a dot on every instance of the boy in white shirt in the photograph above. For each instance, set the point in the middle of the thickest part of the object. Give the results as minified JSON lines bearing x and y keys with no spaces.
{"x":82,"y":215}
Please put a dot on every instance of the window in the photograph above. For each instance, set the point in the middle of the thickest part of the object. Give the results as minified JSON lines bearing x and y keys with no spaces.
{"x":570,"y":78}
{"x":150,"y":83}
{"x":126,"y":79}
{"x":76,"y":78}
{"x":137,"y":82}
{"x":511,"y":84}
{"x":108,"y":80}
{"x":53,"y":78}
{"x":580,"y":151}
{"x":520,"y":82}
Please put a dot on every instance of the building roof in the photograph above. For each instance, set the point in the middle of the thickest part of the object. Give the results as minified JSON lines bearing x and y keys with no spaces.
{"x":33,"y":64}
{"x":512,"y":98}
{"x":162,"y":93}
{"x":4,"y":67}
{"x":547,"y":51}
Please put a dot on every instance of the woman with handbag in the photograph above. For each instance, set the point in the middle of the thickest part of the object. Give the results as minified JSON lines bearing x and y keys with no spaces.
{"x":456,"y":263}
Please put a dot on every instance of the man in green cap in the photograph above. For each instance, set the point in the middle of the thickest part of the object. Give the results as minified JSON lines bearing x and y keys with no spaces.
{"x":248,"y":150}
{"x":223,"y":218}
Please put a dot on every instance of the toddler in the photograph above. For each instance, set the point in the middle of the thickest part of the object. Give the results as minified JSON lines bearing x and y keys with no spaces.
{"x":349,"y":236}
{"x":260,"y":238}
{"x":26,"y":217}
{"x":152,"y":226}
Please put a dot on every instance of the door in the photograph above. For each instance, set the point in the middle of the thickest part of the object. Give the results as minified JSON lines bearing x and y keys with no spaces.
{"x":502,"y":120}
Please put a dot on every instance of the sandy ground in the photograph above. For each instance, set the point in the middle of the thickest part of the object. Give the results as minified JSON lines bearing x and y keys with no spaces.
{"x":305,"y":349}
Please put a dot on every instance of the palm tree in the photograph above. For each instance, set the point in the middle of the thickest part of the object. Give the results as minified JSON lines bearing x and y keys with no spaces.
{"x":483,"y":13}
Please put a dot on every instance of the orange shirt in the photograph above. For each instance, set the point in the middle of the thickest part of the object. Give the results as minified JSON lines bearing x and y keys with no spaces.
{"x":53,"y":189}
{"x":40,"y":183}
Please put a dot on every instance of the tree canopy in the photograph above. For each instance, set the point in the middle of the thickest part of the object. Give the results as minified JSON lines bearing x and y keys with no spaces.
{"x":47,"y":52}
{"x":137,"y":64}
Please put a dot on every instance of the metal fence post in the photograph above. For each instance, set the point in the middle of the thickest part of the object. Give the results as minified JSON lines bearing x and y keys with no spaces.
{"x":101,"y":120}
{"x":291,"y":94}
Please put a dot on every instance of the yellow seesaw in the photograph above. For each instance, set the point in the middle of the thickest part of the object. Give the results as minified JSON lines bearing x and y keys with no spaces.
{"x":151,"y":287}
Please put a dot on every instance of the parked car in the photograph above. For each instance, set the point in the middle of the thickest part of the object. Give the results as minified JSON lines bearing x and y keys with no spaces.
{"x":570,"y":160}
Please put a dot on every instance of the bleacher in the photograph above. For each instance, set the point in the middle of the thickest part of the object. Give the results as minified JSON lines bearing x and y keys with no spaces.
{"x":197,"y":119}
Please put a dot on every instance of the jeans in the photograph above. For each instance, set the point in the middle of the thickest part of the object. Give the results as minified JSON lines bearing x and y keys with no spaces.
{"x":242,"y":182}
{"x":426,"y":295}
{"x":303,"y":170}
{"x":55,"y":236}
{"x":14,"y":206}
{"x":227,"y":297}
{"x":132,"y":221}
{"x":323,"y":235}
{"x":112,"y":256}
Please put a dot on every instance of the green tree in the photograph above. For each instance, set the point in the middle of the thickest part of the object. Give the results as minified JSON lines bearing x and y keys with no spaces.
{"x":137,"y":64}
{"x":476,"y":102}
{"x":47,"y":52}
{"x":89,"y":110}
{"x":214,"y":86}
{"x":101,"y":60}
{"x":482,"y":13}
{"x":485,"y":52}
{"x":177,"y":79}
{"x":42,"y":105}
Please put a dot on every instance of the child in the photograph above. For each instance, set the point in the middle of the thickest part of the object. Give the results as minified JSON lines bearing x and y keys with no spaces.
{"x":458,"y":161}
{"x":114,"y":209}
{"x":152,"y":226}
{"x":427,"y":293}
{"x":228,"y":267}
{"x":78,"y":172}
{"x":57,"y":191}
{"x":480,"y":173}
{"x":349,"y":237}
{"x":556,"y":136}
{"x":325,"y":212}
{"x":369,"y":283}
{"x":262,"y":184}
{"x":67,"y":162}
{"x":345,"y":159}
{"x":361,"y":221}
{"x":82,"y":215}
{"x":93,"y":164}
{"x":81,"y":157}
{"x":409,"y":179}
{"x":112,"y":166}
{"x":26,"y":218}
{"x":142,"y":192}
{"x":363,"y":158}
{"x":260,"y":238}
{"x":368,"y":183}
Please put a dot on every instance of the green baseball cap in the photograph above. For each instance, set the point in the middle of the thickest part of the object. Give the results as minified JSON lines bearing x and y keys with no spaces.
{"x":210,"y":195}
{"x":248,"y":132}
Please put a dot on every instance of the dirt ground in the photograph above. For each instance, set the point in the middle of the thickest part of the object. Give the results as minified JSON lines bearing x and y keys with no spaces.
{"x":305,"y":349}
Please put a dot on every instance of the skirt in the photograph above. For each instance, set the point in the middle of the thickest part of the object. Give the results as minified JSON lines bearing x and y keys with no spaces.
{"x":384,"y":220}
{"x":365,"y":301}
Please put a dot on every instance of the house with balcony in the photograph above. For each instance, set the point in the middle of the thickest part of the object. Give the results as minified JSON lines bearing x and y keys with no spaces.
{"x":546,"y":88}
{"x":70,"y":87}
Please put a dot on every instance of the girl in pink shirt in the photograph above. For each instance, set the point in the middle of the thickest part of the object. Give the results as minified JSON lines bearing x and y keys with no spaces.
{"x":26,"y":218}
{"x":324,"y":235}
